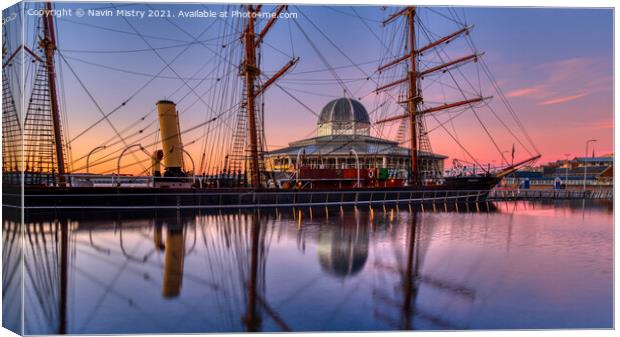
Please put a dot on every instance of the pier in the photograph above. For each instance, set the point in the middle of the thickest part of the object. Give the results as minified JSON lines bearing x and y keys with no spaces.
{"x":526,"y":194}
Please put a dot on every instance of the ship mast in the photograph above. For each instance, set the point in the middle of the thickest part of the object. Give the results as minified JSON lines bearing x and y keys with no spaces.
{"x":414,"y":97}
{"x":48,"y":44}
{"x":251,"y":71}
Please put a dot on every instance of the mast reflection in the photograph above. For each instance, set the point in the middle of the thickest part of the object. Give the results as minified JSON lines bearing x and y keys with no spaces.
{"x":412,"y":278}
{"x":46,"y":278}
{"x":12,"y":271}
{"x":409,"y":274}
{"x":64,"y":271}
{"x":252,"y":318}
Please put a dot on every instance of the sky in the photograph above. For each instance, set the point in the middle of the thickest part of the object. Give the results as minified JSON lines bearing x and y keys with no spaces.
{"x":554,"y":66}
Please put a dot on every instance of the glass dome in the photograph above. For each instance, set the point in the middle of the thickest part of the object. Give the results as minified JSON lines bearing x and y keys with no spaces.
{"x":344,"y":116}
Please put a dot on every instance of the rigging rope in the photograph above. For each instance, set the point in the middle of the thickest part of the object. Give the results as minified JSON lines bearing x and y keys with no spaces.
{"x":156,"y":37}
{"x":92,"y":98}
{"x":150,"y":144}
{"x":125,"y":51}
{"x":484,"y":127}
{"x":318,"y":52}
{"x":192,"y":89}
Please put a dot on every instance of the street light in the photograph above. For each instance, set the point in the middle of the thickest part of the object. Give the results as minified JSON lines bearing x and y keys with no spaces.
{"x":118,"y":163}
{"x":90,"y":153}
{"x":585,"y":164}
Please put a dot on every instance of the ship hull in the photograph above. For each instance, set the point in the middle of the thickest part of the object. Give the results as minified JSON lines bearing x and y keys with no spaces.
{"x":454,"y":190}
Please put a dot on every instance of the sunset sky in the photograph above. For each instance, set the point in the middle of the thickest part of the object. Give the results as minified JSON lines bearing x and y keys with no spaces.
{"x":554,"y":65}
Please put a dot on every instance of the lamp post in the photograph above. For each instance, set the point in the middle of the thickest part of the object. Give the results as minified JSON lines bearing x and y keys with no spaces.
{"x":357,"y":165}
{"x":585,"y":164}
{"x":101,"y":147}
{"x":118,"y":163}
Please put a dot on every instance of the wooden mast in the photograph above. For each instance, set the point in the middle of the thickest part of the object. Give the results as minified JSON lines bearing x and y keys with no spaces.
{"x":48,"y":44}
{"x":413,"y":98}
{"x":251,"y":71}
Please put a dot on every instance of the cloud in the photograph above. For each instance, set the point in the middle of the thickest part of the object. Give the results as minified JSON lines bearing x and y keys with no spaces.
{"x":524,"y":92}
{"x":570,"y":68}
{"x":562,"y":99}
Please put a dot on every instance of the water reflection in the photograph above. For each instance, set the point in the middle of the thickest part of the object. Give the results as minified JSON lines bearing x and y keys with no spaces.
{"x":11,"y":270}
{"x":174,"y":253}
{"x":518,"y":266}
{"x":343,"y":247}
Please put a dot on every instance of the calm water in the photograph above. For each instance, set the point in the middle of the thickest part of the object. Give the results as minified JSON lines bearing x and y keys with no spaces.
{"x":521,"y":266}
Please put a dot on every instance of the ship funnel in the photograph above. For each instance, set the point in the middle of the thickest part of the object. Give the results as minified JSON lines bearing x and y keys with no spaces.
{"x":170,"y":133}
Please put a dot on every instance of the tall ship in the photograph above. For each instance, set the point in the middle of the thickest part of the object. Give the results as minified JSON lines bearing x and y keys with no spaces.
{"x":348,"y":159}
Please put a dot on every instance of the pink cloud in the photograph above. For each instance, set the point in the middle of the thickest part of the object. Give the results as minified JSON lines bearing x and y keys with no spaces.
{"x":601,"y":83}
{"x":564,"y":75}
{"x":571,"y":68}
{"x":523,"y":92}
{"x":562,"y":99}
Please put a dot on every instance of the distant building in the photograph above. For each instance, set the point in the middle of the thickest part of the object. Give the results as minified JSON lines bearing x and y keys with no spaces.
{"x":595,"y":170}
{"x":344,"y":131}
{"x":603,"y":161}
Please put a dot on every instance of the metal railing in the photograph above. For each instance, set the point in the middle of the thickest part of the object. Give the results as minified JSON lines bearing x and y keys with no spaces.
{"x":527,"y":194}
{"x":193,"y":198}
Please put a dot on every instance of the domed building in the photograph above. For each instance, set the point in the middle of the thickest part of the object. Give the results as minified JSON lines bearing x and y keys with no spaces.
{"x":343,"y":137}
{"x":344,"y":116}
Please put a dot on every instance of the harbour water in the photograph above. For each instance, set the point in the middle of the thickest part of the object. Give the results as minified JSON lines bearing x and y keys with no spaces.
{"x":519,"y":265}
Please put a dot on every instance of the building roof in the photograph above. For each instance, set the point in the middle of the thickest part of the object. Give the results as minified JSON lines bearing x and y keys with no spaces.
{"x":595,"y":159}
{"x":527,"y":174}
{"x":574,"y":173}
{"x":343,"y":144}
{"x":575,"y":170}
{"x":344,"y":110}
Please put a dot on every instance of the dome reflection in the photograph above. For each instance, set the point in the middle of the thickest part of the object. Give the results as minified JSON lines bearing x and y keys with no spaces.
{"x":343,"y":248}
